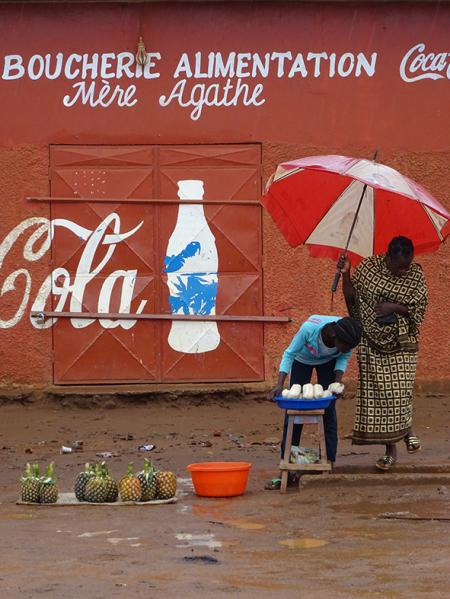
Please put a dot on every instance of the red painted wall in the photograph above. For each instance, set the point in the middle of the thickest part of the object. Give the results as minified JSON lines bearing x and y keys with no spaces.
{"x":407,"y":122}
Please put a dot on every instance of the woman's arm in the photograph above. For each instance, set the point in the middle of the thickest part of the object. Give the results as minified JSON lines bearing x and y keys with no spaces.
{"x":347,"y":285}
{"x":385,"y":308}
{"x":415,"y":309}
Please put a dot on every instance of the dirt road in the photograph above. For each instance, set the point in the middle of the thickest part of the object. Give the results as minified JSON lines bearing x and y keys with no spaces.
{"x":324,"y":541}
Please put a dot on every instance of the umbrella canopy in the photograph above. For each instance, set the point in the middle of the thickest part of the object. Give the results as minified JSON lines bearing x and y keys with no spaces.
{"x":314,"y":200}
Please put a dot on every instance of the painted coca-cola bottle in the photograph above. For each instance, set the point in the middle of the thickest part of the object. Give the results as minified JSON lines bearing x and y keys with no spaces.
{"x":191,"y":265}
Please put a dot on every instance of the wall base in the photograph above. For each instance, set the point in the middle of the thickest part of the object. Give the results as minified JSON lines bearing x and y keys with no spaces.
{"x":110,"y":396}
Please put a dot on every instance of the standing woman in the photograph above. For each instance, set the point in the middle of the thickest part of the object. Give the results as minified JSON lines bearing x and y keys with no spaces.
{"x":388,"y":295}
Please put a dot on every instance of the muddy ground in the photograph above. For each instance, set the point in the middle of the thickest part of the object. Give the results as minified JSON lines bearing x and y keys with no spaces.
{"x":323,"y":541}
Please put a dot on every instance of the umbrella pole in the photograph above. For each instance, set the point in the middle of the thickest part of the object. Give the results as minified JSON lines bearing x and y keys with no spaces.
{"x":337,"y":276}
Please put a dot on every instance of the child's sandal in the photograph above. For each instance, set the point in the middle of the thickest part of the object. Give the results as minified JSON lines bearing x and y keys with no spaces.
{"x":412,"y":443}
{"x":274,"y":484}
{"x":385,"y":463}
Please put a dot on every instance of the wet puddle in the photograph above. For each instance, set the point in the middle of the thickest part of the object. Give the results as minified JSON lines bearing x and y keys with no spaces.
{"x":215,"y":510}
{"x":244,"y":524}
{"x":16,"y":516}
{"x":422,"y":508}
{"x":184,"y":509}
{"x":200,"y":540}
{"x":257,"y":584}
{"x":97,"y":533}
{"x":158,"y":578}
{"x":185,"y":482}
{"x":219,"y":514}
{"x":305,"y":543}
{"x":118,"y":540}
{"x":185,"y":487}
{"x":361,"y":533}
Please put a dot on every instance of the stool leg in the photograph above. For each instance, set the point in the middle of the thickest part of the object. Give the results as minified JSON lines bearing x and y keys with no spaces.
{"x":287,"y":453}
{"x":322,"y":444}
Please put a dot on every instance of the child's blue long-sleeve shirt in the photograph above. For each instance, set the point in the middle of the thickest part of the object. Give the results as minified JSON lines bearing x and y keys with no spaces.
{"x":307,"y":346}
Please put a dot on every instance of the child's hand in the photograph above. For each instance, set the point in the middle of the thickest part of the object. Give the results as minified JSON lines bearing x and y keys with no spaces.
{"x":276,"y":392}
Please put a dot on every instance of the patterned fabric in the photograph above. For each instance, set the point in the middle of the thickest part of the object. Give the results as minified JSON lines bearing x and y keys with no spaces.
{"x":387,"y":354}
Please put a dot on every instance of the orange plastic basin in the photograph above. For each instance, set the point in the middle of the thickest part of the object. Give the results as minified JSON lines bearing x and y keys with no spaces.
{"x":220,"y":479}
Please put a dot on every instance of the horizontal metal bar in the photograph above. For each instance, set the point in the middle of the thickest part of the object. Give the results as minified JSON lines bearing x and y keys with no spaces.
{"x":315,"y":467}
{"x":184,"y":317}
{"x":143,"y":201}
{"x":203,"y":2}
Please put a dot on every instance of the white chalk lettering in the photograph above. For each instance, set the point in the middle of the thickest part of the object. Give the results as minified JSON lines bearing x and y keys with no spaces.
{"x":125,"y":61}
{"x":332,"y":59}
{"x":317,"y":57}
{"x":9,"y":285}
{"x":280,"y":57}
{"x":298,"y":66}
{"x":106,"y":66}
{"x":198,"y":68}
{"x":343,"y":70}
{"x":106,"y":96}
{"x":242,"y":64}
{"x":150,"y":64}
{"x":260,"y":68}
{"x":57,"y":68}
{"x":58,"y":283}
{"x":36,"y":67}
{"x":427,"y":66}
{"x":128,"y":283}
{"x":69,"y":71}
{"x":13,"y":68}
{"x":221,"y":75}
{"x":225,"y":69}
{"x":212,"y":95}
{"x":183,"y":67}
{"x":362,"y":63}
{"x":89,"y":66}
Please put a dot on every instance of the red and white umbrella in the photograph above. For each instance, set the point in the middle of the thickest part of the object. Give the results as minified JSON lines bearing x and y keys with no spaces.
{"x":315,"y":200}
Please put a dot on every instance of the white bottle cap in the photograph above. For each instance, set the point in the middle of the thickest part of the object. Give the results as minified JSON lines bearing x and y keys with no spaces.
{"x":190,"y":189}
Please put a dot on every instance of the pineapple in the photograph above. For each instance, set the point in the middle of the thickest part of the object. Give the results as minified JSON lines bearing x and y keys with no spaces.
{"x":30,"y":485}
{"x":82,"y":480}
{"x":49,"y":490}
{"x":147,"y":479}
{"x":166,"y":485}
{"x":130,"y":486}
{"x":96,"y":488}
{"x":112,"y":490}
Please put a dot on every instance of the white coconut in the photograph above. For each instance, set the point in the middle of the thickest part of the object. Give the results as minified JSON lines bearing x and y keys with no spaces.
{"x":336,"y":388}
{"x":296,"y":390}
{"x":318,"y":391}
{"x":308,"y":391}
